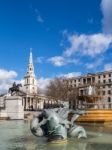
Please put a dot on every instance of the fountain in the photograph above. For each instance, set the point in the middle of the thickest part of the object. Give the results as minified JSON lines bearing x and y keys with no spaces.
{"x":55,"y":125}
{"x":16,"y":135}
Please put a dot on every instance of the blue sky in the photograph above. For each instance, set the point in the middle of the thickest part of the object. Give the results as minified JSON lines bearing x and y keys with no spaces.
{"x":68,"y":37}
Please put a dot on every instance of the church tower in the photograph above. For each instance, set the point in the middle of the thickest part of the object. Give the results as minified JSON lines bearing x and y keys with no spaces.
{"x":30,"y":85}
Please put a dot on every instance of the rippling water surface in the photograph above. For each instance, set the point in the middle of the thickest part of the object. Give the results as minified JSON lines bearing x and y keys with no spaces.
{"x":16,"y":135}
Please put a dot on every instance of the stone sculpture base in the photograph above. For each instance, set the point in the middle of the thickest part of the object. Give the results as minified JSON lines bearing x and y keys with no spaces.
{"x":14,"y":108}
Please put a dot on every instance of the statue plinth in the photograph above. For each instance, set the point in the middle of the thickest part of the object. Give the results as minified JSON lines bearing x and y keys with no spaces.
{"x":14,"y":107}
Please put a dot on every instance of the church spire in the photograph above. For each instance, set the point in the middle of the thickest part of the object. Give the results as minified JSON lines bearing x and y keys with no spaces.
{"x":30,"y":70}
{"x":30,"y":80}
{"x":30,"y":59}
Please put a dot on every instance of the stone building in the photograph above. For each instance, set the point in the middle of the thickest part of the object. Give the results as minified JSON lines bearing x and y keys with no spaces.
{"x":30,"y":82}
{"x":98,"y":85}
{"x":31,"y":99}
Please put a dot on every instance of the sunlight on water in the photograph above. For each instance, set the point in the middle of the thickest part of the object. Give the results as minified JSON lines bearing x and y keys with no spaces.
{"x":16,"y":135}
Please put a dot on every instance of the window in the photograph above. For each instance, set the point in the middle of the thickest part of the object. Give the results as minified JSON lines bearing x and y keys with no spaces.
{"x":98,"y":92}
{"x":104,"y":75}
{"x":109,"y":91}
{"x":109,"y":86}
{"x":109,"y":80}
{"x":84,"y":81}
{"x":104,"y":81}
{"x":27,"y":81}
{"x":109,"y":75}
{"x":28,"y":100}
{"x":109,"y":99}
{"x":103,"y":92}
{"x":98,"y":81}
{"x":99,"y":77}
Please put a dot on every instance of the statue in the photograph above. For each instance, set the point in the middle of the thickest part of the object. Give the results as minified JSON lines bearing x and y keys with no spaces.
{"x":55,"y":125}
{"x":14,"y":90}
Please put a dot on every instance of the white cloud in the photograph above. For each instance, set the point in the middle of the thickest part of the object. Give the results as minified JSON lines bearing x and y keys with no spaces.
{"x":57,"y":60}
{"x":94,"y":64}
{"x":40,"y":19}
{"x":4,"y":86}
{"x":42,"y":83}
{"x":70,"y":75}
{"x":61,"y":61}
{"x":108,"y":67}
{"x":39,"y":60}
{"x":4,"y":74}
{"x":106,"y":7}
{"x":6,"y":79}
{"x":89,"y":45}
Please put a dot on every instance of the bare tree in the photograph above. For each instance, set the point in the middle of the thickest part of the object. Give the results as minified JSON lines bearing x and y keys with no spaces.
{"x":73,"y":95}
{"x":61,"y":91}
{"x":57,"y":89}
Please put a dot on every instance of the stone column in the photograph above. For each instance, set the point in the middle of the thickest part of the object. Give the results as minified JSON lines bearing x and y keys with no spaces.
{"x":24,"y":99}
{"x":26,"y":102}
{"x":30,"y":102}
{"x":41,"y":107}
{"x":37,"y":104}
{"x":34,"y":104}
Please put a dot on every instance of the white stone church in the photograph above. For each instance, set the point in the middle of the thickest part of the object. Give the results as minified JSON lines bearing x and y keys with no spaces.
{"x":30,"y":82}
{"x":31,"y":99}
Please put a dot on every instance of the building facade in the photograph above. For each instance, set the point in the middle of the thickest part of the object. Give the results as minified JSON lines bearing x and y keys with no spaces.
{"x":98,"y":85}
